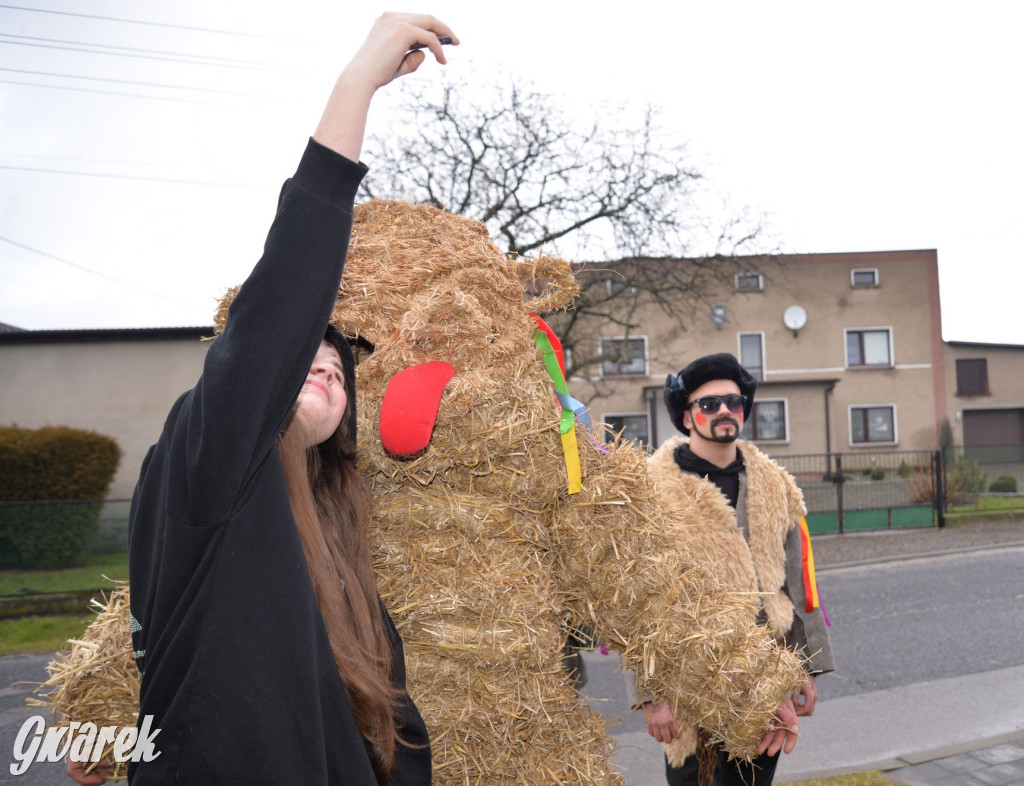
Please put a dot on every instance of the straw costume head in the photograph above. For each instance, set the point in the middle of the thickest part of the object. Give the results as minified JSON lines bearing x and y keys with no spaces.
{"x":496,"y":516}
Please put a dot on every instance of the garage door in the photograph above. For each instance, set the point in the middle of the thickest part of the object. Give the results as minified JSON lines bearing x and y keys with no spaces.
{"x":994,"y":434}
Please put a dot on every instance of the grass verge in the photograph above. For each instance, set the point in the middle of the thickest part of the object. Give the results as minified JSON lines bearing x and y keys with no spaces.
{"x":88,"y":576}
{"x":33,"y":635}
{"x":872,"y":778}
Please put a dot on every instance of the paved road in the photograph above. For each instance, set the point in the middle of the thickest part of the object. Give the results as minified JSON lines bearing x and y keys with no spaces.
{"x":14,"y":671}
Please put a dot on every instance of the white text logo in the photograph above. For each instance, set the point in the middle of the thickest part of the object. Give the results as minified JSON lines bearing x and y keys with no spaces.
{"x":83,"y":741}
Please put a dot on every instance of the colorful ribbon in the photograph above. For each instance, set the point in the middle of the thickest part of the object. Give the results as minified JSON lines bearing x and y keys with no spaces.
{"x":812,"y":599}
{"x":572,"y":410}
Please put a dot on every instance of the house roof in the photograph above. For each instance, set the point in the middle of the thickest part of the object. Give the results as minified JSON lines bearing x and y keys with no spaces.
{"x":14,"y":335}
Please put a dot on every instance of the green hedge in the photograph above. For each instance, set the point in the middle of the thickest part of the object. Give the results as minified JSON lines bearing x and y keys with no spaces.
{"x":47,"y":464}
{"x":1004,"y":484}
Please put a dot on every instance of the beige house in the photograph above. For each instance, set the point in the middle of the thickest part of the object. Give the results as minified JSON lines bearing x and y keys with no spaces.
{"x":847,"y":349}
{"x":121,"y":383}
{"x":985,"y":391}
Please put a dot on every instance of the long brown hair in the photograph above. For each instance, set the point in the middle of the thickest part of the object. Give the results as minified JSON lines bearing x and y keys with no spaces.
{"x":330,"y":503}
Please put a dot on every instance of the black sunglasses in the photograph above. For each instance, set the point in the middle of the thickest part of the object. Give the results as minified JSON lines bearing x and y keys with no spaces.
{"x":709,"y":405}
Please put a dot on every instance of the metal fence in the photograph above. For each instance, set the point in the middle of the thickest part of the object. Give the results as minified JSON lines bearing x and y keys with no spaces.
{"x":844,"y":492}
{"x":984,"y":480}
{"x":847,"y":492}
{"x":96,"y":526}
{"x":858,"y":491}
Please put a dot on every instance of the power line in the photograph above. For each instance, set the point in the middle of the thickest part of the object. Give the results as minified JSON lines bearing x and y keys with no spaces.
{"x":135,"y":52}
{"x":112,"y":176}
{"x":120,"y":82}
{"x":97,"y":91}
{"x":85,"y":269}
{"x":142,"y":22}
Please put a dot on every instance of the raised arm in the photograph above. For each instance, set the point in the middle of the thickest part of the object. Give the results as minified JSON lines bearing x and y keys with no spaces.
{"x":383,"y":56}
{"x":255,"y":368}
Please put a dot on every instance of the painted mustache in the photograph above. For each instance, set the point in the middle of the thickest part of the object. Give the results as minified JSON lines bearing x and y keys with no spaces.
{"x":725,"y":419}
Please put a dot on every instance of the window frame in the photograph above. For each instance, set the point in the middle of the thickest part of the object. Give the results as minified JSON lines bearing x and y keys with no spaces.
{"x":617,"y":287}
{"x":625,"y":374}
{"x":645,"y":441}
{"x":986,"y":388}
{"x":758,"y":288}
{"x":752,"y":423}
{"x":739,"y":353}
{"x":872,"y":442}
{"x":876,"y":280}
{"x":861,"y":330}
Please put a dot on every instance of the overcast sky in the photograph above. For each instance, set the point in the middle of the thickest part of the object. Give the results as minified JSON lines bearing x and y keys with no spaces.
{"x":140,"y":163}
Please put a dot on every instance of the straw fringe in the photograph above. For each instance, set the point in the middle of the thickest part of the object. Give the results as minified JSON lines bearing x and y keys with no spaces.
{"x":94,"y":679}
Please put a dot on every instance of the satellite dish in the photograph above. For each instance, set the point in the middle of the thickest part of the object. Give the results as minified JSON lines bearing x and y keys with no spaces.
{"x":794,"y":318}
{"x":718,"y":315}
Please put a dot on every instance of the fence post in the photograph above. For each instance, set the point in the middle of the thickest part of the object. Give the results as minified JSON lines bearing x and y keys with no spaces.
{"x":839,"y":492}
{"x":939,"y":485}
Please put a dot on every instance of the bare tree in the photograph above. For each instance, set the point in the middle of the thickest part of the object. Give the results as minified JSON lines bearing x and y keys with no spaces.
{"x":540,"y":181}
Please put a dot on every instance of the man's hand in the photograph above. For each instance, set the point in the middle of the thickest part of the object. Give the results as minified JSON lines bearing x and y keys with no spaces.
{"x":660,"y":723}
{"x":76,"y":771}
{"x":806,"y":696}
{"x":785,"y":729}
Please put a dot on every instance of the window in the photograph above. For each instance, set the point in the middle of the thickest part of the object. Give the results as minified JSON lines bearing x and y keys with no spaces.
{"x":624,"y":356}
{"x":749,"y":282}
{"x":620,"y":286}
{"x":633,"y":427}
{"x":767,"y":421}
{"x":752,"y":354}
{"x":567,"y":359}
{"x":868,"y":347}
{"x":865,"y":278}
{"x":972,"y":377}
{"x":872,"y":424}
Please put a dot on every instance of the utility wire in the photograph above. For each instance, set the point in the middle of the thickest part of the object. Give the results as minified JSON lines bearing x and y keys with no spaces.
{"x":142,"y":22}
{"x":97,"y":91}
{"x":133,"y":82}
{"x":85,"y":269}
{"x":112,"y":176}
{"x":135,"y":52}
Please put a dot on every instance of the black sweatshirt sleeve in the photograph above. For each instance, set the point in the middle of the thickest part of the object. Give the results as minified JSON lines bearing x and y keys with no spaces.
{"x":255,"y":368}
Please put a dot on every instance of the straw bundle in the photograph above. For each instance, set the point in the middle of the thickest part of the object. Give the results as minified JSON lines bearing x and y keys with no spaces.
{"x":95,"y":678}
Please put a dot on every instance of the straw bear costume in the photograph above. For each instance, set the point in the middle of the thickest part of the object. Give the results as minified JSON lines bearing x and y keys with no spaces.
{"x":495,"y":516}
{"x":481,"y":542}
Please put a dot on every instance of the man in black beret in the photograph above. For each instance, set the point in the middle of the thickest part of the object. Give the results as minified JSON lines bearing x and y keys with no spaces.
{"x":757,"y":541}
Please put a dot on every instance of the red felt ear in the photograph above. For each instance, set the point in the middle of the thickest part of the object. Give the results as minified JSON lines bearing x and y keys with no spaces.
{"x":410,"y":407}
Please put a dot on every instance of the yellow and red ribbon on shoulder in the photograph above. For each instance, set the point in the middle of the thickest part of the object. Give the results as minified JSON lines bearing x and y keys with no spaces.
{"x":810,"y":579}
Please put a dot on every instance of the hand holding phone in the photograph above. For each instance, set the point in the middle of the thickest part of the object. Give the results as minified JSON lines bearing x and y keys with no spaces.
{"x":444,"y":39}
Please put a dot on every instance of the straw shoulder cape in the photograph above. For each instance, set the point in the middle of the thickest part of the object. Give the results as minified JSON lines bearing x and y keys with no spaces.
{"x":770,"y":505}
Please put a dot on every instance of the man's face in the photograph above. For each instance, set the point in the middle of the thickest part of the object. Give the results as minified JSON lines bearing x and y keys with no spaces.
{"x":721,"y":426}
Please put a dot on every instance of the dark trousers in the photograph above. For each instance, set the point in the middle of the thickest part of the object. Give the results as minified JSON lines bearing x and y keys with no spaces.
{"x":758,"y":772}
